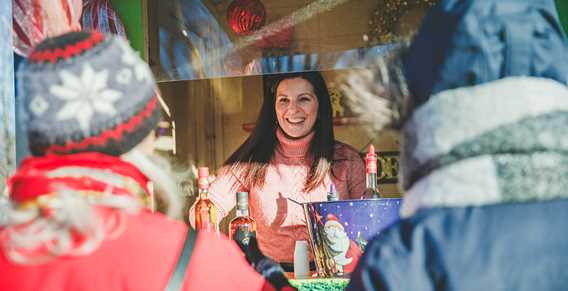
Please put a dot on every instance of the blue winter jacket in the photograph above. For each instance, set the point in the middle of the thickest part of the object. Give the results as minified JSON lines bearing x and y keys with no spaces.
{"x":498,"y":247}
{"x":518,"y":153}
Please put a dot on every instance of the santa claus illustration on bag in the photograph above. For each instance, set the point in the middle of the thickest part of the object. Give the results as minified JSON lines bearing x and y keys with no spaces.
{"x":345,"y":252}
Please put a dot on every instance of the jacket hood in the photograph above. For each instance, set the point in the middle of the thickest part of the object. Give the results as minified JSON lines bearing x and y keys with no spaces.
{"x":464,"y":43}
{"x":503,"y":141}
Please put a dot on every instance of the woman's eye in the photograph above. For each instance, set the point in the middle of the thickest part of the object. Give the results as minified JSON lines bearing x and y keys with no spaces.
{"x":283,"y":100}
{"x":305,"y":99}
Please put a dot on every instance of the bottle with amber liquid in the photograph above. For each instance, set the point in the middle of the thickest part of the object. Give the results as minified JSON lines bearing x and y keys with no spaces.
{"x":206,"y":218}
{"x":371,"y":172}
{"x":243,"y":227}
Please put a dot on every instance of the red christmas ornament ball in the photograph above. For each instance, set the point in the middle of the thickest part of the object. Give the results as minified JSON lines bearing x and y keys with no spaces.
{"x":246,"y":16}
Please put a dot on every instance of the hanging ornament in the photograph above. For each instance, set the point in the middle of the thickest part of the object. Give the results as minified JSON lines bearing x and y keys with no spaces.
{"x":34,"y":20}
{"x":246,"y":16}
{"x":100,"y":16}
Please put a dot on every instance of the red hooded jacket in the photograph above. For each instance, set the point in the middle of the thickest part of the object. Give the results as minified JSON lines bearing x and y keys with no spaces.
{"x":143,"y":255}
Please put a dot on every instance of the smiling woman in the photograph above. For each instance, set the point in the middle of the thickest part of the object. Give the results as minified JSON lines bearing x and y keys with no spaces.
{"x":292,"y":153}
{"x":296,"y":107}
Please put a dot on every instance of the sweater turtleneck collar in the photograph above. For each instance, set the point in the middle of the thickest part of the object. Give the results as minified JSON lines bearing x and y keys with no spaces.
{"x":293,"y":148}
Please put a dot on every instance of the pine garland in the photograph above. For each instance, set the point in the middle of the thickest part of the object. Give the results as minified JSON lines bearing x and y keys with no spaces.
{"x":386,"y":18}
{"x":325,"y":284}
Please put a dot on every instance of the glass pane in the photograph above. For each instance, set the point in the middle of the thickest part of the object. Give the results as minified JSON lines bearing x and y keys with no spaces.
{"x":192,"y":39}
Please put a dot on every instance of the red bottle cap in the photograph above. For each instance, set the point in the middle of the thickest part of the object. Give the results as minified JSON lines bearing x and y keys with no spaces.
{"x":203,"y":172}
{"x":202,"y":178}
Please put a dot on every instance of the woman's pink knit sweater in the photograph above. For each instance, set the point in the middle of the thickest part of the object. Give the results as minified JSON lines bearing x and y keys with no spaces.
{"x":280,"y":222}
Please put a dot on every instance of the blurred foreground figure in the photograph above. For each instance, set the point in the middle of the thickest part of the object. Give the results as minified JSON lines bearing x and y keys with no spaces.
{"x":481,"y":100}
{"x":78,"y":219}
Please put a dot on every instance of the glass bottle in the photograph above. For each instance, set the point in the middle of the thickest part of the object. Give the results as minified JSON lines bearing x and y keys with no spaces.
{"x":371,"y":172}
{"x":206,"y":218}
{"x":242,"y":227}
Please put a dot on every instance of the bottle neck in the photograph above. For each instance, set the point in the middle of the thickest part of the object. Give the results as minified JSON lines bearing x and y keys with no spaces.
{"x":203,"y":186}
{"x":203,"y":193}
{"x":242,"y":212}
{"x":372,"y":185}
{"x":331,"y":196}
{"x":372,"y":181}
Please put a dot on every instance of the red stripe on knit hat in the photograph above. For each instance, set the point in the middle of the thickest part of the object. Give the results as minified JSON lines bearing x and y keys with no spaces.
{"x":115,"y":133}
{"x":69,"y":50}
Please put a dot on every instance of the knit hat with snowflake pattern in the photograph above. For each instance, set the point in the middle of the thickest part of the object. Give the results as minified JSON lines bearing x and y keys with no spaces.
{"x":86,"y":92}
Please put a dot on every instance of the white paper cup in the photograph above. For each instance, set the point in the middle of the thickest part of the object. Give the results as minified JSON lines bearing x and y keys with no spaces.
{"x":301,"y":260}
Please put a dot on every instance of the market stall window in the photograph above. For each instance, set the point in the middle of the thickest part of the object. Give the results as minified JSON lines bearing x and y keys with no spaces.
{"x":212,"y":59}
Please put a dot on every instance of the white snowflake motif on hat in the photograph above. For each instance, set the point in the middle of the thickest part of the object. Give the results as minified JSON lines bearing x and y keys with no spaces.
{"x":129,"y":57}
{"x":38,"y":105}
{"x":85,"y":95}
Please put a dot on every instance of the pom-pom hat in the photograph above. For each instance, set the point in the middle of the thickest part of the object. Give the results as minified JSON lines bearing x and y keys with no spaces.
{"x":86,"y":92}
{"x":331,"y":220}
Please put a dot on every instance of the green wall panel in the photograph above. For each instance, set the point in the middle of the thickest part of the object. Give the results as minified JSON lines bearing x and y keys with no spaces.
{"x":562,"y":7}
{"x":131,"y":13}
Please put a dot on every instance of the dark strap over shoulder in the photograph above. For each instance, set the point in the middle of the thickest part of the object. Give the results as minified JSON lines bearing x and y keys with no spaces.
{"x":176,"y":280}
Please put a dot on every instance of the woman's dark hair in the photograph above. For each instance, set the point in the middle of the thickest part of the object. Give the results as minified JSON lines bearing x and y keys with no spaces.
{"x":250,"y":161}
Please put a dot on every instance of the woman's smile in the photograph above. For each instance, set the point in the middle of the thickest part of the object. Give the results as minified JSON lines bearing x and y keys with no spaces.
{"x":296,"y":120}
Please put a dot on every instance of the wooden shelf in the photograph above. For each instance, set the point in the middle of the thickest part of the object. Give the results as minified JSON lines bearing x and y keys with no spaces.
{"x":337,"y":121}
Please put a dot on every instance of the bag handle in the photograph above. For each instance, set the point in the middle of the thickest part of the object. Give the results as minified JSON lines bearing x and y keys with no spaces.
{"x":176,"y":280}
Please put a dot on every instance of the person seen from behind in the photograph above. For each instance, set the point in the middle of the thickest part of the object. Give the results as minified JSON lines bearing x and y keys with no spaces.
{"x":481,"y":100}
{"x":78,"y":218}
